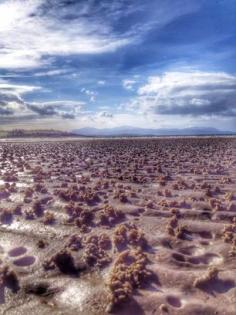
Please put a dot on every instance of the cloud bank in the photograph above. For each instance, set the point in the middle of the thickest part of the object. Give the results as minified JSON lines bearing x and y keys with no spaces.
{"x":13,"y":105}
{"x":193,"y":93}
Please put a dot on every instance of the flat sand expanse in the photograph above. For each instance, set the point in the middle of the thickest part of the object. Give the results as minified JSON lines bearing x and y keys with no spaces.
{"x":122,"y":226}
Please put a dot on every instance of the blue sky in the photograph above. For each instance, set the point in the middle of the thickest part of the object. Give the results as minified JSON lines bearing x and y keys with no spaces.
{"x":160,"y":63}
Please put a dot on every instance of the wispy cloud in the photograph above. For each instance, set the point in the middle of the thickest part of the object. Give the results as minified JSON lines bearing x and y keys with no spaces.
{"x":52,"y":73}
{"x":17,"y":88}
{"x":128,"y":84}
{"x":32,"y":31}
{"x":101,"y":82}
{"x":26,"y":37}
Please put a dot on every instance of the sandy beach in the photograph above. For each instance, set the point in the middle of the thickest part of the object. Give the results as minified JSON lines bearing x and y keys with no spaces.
{"x":121,"y":226}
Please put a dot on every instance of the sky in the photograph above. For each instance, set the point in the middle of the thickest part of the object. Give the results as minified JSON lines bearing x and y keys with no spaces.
{"x":67,"y":64}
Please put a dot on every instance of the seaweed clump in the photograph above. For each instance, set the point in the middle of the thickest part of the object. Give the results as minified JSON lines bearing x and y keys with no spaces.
{"x":95,"y":251}
{"x":229,"y":236}
{"x":6,"y":216}
{"x":48,"y":218}
{"x":129,"y":272}
{"x":64,"y":261}
{"x":212,"y":274}
{"x":40,"y":289}
{"x":128,"y":234}
{"x":9,"y":278}
{"x":110,"y":216}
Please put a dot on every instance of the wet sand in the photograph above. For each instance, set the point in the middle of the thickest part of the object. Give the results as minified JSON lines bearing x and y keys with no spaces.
{"x":123,"y":226}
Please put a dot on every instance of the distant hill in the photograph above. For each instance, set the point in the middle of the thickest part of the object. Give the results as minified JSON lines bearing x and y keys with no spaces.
{"x":126,"y":131}
{"x":21,"y":133}
{"x":132,"y":131}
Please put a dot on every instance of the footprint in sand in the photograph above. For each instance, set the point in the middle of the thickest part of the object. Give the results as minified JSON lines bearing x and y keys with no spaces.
{"x":24,"y":261}
{"x":17,"y":256}
{"x":206,"y":259}
{"x":17,"y":251}
{"x":197,"y":256}
{"x":174,"y":301}
{"x":191,"y":250}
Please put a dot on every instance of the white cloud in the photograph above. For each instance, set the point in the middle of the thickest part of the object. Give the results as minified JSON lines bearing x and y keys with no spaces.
{"x":105,"y":114}
{"x":16,"y":88}
{"x":193,"y":80}
{"x":187,"y":93}
{"x":90,"y":94}
{"x":128,"y":84}
{"x":53,"y":72}
{"x":101,"y":82}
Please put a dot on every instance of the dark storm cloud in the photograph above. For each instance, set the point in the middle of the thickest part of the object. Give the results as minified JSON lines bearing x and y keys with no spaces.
{"x":42,"y":110}
{"x":65,"y":109}
{"x":5,"y":111}
{"x":68,"y":116}
{"x":13,"y":105}
{"x":10,"y":103}
{"x":8,"y":97}
{"x":224,"y":107}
